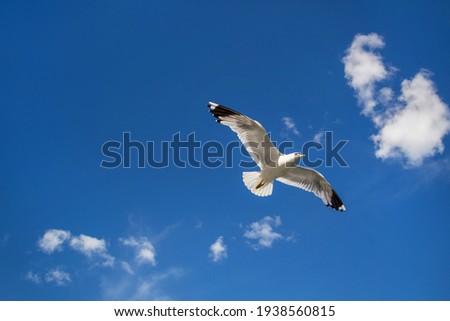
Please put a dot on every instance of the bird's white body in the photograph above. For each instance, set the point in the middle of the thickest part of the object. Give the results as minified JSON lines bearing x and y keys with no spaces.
{"x":261,"y":183}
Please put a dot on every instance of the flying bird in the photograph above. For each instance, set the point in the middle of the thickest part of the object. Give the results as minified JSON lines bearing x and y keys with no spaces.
{"x":273,"y":164}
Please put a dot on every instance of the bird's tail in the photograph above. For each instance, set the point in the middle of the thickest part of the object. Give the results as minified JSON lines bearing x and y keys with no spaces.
{"x":256,"y":184}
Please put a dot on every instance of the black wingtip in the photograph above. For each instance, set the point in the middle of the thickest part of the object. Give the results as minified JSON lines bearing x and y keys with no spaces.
{"x":336,"y":202}
{"x":218,"y":110}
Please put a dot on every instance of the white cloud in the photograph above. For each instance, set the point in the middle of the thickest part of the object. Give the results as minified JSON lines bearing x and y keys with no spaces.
{"x":88,"y":245}
{"x":33,"y":277}
{"x":262,"y":232}
{"x":290,"y":125}
{"x":52,"y":240}
{"x":146,"y":253}
{"x":415,"y":129}
{"x":364,"y":67}
{"x":218,"y":250}
{"x":92,"y":248}
{"x":410,"y":127}
{"x":57,"y":276}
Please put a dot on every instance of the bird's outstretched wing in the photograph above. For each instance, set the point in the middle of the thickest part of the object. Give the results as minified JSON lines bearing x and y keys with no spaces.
{"x":251,"y":133}
{"x":312,"y":181}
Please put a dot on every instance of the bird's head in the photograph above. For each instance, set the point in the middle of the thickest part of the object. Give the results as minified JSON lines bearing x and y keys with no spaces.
{"x":293,"y":158}
{"x":298,"y":156}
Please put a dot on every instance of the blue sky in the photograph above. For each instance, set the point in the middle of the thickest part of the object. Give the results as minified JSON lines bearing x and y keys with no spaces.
{"x":75,"y":75}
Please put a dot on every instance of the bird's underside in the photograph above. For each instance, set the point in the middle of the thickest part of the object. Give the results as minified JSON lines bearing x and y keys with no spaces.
{"x":273,"y":164}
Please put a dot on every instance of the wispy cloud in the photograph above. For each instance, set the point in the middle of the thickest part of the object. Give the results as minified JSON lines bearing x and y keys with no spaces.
{"x":385,"y":96}
{"x":318,"y":137}
{"x":58,"y":276}
{"x":198,"y":224}
{"x":126,"y":267}
{"x":261,"y":233}
{"x":152,"y":286}
{"x":218,"y":250}
{"x":52,"y":240}
{"x":145,"y":252}
{"x":290,"y":125}
{"x":33,"y":277}
{"x":4,"y":239}
{"x":149,"y":289}
{"x":410,"y":127}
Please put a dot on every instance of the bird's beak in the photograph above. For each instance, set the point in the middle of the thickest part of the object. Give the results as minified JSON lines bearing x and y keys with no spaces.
{"x":302,"y":155}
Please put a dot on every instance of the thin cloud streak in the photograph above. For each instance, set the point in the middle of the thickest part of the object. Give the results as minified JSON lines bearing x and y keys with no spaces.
{"x":290,"y":125}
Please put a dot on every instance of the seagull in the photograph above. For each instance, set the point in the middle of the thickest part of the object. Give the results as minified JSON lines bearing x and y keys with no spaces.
{"x":273,"y":164}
